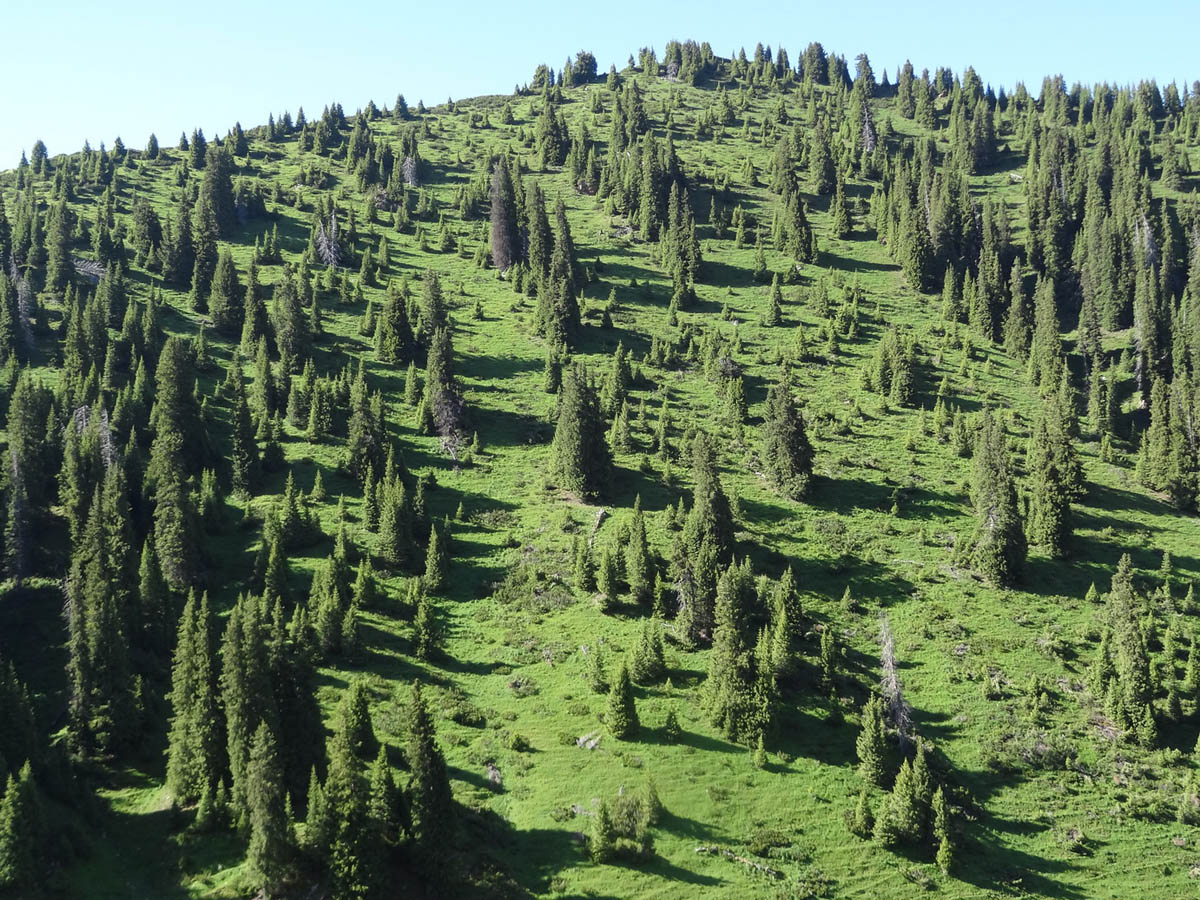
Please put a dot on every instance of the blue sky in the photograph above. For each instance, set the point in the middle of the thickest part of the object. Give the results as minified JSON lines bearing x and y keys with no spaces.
{"x":83,"y":69}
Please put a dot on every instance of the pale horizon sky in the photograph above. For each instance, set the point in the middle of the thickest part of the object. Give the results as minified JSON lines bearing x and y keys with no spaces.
{"x":75,"y":70}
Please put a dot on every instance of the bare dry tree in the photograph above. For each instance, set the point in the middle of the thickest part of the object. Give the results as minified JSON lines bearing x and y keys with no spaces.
{"x":409,"y":168}
{"x":328,"y":248}
{"x":899,"y":713}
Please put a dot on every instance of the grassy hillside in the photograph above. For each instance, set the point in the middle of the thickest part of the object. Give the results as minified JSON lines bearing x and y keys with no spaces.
{"x":1049,"y":799}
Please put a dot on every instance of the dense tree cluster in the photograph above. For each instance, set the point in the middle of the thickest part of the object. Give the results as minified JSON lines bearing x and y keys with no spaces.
{"x":217,"y":356}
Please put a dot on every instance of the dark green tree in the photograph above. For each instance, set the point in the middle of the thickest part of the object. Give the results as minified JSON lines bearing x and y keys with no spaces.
{"x":194,"y":746}
{"x":621,"y":713}
{"x":429,"y":787}
{"x":581,"y":457}
{"x":997,"y":547}
{"x":506,"y":238}
{"x":269,"y":853}
{"x":787,"y":453}
{"x":22,"y":859}
{"x":226,"y":299}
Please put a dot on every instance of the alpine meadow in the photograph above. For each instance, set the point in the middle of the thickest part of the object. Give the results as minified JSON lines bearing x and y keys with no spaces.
{"x":749,"y":476}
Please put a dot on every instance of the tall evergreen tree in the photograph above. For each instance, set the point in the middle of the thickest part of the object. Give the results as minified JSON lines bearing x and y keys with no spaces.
{"x":429,"y":786}
{"x":246,"y":692}
{"x":787,"y":453}
{"x":204,"y":249}
{"x":21,"y":834}
{"x":710,"y":517}
{"x":506,"y":239}
{"x":100,"y":606}
{"x":582,"y":459}
{"x":728,"y":691}
{"x":1050,"y":522}
{"x":621,"y":714}
{"x":194,"y":747}
{"x":269,"y":851}
{"x":998,"y":546}
{"x":226,"y":298}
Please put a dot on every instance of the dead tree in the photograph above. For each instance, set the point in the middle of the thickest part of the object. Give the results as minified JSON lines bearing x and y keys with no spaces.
{"x":898,"y":712}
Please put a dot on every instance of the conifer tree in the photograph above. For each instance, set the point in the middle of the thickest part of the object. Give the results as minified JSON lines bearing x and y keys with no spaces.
{"x":349,"y":857}
{"x":385,"y":803}
{"x":787,"y":453}
{"x":429,"y":787}
{"x":649,"y":662}
{"x":582,"y":459}
{"x":155,"y":613}
{"x":425,"y":627}
{"x":862,"y":819}
{"x":246,"y":692}
{"x":840,"y":210}
{"x":621,"y":713}
{"x":1050,"y":523}
{"x":710,"y":516}
{"x":437,"y":561}
{"x":506,"y":239}
{"x":244,"y":460}
{"x":1045,"y":354}
{"x":194,"y":754}
{"x":100,"y":616}
{"x":603,"y":837}
{"x":443,"y":393}
{"x":393,"y":334}
{"x":638,"y":566}
{"x":905,"y":812}
{"x":268,"y":854}
{"x":21,"y":833}
{"x":998,"y":547}
{"x":871,"y":744}
{"x":728,"y":690}
{"x":775,"y":311}
{"x":204,"y":250}
{"x":226,"y":298}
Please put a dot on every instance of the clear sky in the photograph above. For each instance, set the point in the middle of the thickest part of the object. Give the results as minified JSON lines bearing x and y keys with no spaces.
{"x":72,"y":70}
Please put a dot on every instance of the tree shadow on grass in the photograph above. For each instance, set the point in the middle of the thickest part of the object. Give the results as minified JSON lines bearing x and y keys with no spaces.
{"x":531,"y":858}
{"x":143,"y":853}
{"x":987,"y":863}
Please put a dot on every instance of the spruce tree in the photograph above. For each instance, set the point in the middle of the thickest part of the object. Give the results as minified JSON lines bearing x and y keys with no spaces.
{"x":582,"y":460}
{"x":728,"y":691}
{"x":638,"y":565}
{"x":787,"y":453}
{"x":649,"y":660}
{"x":353,"y":721}
{"x":244,"y":460}
{"x":100,"y":617}
{"x":1050,"y":521}
{"x":905,"y":805}
{"x":997,"y":547}
{"x":349,"y":858}
{"x":226,"y":298}
{"x":621,"y":713}
{"x":872,"y":743}
{"x":246,"y":692}
{"x":21,"y":834}
{"x":385,"y":803}
{"x":268,"y":856}
{"x":437,"y":561}
{"x":710,"y":516}
{"x":429,"y":786}
{"x":443,"y":393}
{"x":506,"y":239}
{"x":194,"y":751}
{"x":204,"y":249}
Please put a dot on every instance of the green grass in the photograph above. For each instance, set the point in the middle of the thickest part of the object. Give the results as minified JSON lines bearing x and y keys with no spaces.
{"x":948,"y":626}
